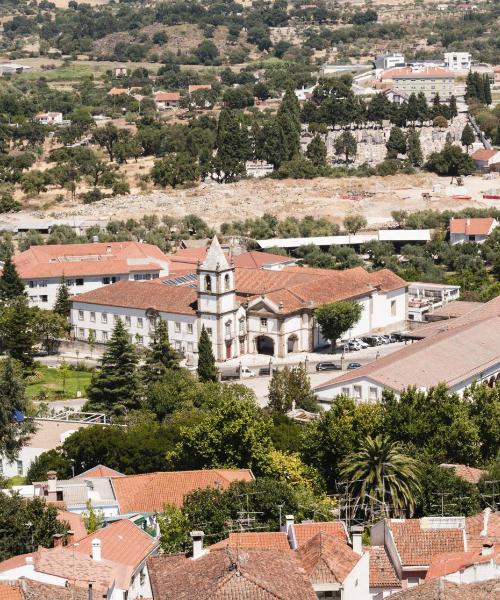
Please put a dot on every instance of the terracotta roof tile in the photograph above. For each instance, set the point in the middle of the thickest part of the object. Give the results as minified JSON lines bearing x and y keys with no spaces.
{"x":228,"y":574}
{"x":305,"y":531}
{"x":167,"y":96}
{"x":409,"y":73}
{"x":35,"y":590}
{"x":152,"y":491}
{"x":483,"y":526}
{"x":382,"y":573}
{"x":75,"y":522}
{"x":171,"y":299}
{"x":100,"y":471}
{"x":261,"y":540}
{"x":473,"y":226}
{"x":327,"y":559}
{"x":450,"y":562}
{"x":484,"y":154}
{"x":469,"y":474}
{"x":417,"y":545}
{"x":446,"y":590}
{"x":9,"y":592}
{"x":257,"y":260}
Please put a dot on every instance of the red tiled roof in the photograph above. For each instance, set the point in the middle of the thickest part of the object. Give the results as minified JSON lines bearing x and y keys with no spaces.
{"x":260,"y":540}
{"x":479,"y":226}
{"x":257,"y":260}
{"x":9,"y":592}
{"x":72,"y":260}
{"x":469,"y":474}
{"x":446,"y":590}
{"x":117,"y":91}
{"x":484,"y":153}
{"x":450,"y":562}
{"x":152,"y":491}
{"x":163,"y":298}
{"x":483,"y":526}
{"x":35,"y":590}
{"x":167,"y":97}
{"x":327,"y":559}
{"x":14,"y":562}
{"x":229,"y":574}
{"x":100,"y":471}
{"x":417,"y":546}
{"x":382,"y":573}
{"x":306,"y":531}
{"x":426,"y":73}
{"x":75,"y":522}
{"x":198,"y":87}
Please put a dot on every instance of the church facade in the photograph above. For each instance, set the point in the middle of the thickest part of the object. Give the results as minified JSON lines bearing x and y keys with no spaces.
{"x":244,"y":310}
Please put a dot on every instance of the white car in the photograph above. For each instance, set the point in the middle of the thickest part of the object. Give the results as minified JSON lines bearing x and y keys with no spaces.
{"x":245,"y":373}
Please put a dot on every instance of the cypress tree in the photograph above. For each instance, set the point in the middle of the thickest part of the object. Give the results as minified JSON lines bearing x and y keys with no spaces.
{"x":487,"y":90}
{"x":396,"y":144}
{"x":160,"y":356}
{"x":288,"y":117}
{"x":453,"y":107}
{"x":11,"y":285}
{"x":207,"y":371}
{"x":62,"y":305}
{"x":115,"y":387}
{"x":467,"y":138}
{"x":233,"y":146}
{"x":18,"y":332}
{"x":275,"y":149}
{"x":415,"y":155}
{"x":316,"y":152}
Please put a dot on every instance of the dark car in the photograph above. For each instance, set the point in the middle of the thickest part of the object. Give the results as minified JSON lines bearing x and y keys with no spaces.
{"x":372,"y":341}
{"x":328,"y":366}
{"x":354,"y":365}
{"x":264,"y":371}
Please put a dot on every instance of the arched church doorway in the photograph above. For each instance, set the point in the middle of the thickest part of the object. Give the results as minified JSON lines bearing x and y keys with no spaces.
{"x":265,"y":345}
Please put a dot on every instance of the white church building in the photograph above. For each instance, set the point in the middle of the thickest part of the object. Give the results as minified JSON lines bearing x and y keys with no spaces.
{"x":244,"y":310}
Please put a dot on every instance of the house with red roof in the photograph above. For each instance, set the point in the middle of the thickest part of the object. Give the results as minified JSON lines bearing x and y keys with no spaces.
{"x":245,"y":310}
{"x":86,"y":267}
{"x":109,"y":563}
{"x":484,"y":158}
{"x":165,"y":100}
{"x":471,"y":229}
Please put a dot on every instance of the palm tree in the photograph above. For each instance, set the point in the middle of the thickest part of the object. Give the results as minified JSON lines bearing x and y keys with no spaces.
{"x":382,"y":476}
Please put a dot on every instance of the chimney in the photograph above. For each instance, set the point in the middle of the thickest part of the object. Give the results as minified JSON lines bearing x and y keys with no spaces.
{"x":198,"y":550}
{"x":57,"y":540}
{"x":487,"y":548}
{"x":468,"y":221}
{"x":289,"y":521}
{"x":70,"y":537}
{"x":52,"y":481}
{"x":96,"y":549}
{"x":356,"y":535}
{"x":29,"y":561}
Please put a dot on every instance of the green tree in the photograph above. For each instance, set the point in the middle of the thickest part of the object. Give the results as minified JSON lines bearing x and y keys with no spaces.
{"x":115,"y":387}
{"x":232,"y":432}
{"x":484,"y":407}
{"x":29,"y":523}
{"x":50,"y":327}
{"x":175,"y":169}
{"x":467,"y":138}
{"x":18,"y":331}
{"x":35,"y":182}
{"x":62,"y":305}
{"x":382,"y":476}
{"x":347,"y":145}
{"x":207,"y":370}
{"x":415,"y":155}
{"x":233,"y":148}
{"x":316,"y":152}
{"x":174,"y":530}
{"x":52,"y":460}
{"x":291,"y":387}
{"x":93,"y":519}
{"x":107,"y":137}
{"x":15,"y":428}
{"x":274,"y":147}
{"x":336,"y":318}
{"x":206,"y":52}
{"x":353,"y":223}
{"x":175,"y":391}
{"x":450,"y":161}
{"x":396,"y":144}
{"x":160,"y":356}
{"x":11,"y":285}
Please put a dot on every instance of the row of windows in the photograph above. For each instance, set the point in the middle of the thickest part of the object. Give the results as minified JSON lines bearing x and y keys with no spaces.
{"x":145,"y":276}
{"x":139,"y":321}
{"x":357,"y":392}
{"x":19,"y":466}
{"x":36,"y":299}
{"x":103,"y":336}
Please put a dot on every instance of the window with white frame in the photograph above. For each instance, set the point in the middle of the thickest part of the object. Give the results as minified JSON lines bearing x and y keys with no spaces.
{"x":228,"y":329}
{"x":242,"y":326}
{"x":177,"y":327}
{"x":139,"y":339}
{"x":80,"y":315}
{"x":70,"y":281}
{"x":104,"y":336}
{"x":42,"y":283}
{"x":19,"y":465}
{"x":81,"y":333}
{"x":139,"y":322}
{"x":177,"y":345}
{"x":92,"y":316}
{"x":190,"y":328}
{"x":393,"y":308}
{"x":104,"y":317}
{"x":209,"y":331}
{"x":128,"y":321}
{"x":373,"y":393}
{"x":116,"y":318}
{"x":357,"y":392}
{"x":346,"y":391}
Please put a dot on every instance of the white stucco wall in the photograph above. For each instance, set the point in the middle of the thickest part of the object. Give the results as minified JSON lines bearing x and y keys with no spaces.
{"x":357,"y":583}
{"x":476,"y":573}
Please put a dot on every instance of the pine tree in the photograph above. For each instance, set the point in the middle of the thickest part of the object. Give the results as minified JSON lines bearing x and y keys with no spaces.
{"x":346,"y":144}
{"x":288,"y":117}
{"x":11,"y":285}
{"x":467,"y":137}
{"x":487,"y":90}
{"x":160,"y":356}
{"x":396,"y":144}
{"x":233,"y":147}
{"x":17,"y":331}
{"x":316,"y":151}
{"x":115,"y":387}
{"x":415,"y":155}
{"x":207,"y":371}
{"x":14,"y":432}
{"x":453,"y":107}
{"x":275,"y":150}
{"x":62,"y":305}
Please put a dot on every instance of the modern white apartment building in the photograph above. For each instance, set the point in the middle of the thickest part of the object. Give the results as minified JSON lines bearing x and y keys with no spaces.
{"x":458,"y":61}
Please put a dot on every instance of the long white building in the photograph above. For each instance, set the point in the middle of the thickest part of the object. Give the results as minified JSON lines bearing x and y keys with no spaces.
{"x":86,"y":267}
{"x":244,"y":310}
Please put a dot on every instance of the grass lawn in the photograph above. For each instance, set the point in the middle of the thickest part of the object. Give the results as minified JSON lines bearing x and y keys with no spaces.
{"x":51,"y":380}
{"x":72,"y":72}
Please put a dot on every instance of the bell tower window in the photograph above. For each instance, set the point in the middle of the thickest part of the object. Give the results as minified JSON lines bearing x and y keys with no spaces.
{"x":226,"y":282}
{"x":208,"y":283}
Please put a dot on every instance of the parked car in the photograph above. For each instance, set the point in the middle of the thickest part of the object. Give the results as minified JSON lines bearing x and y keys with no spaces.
{"x":361,"y":342}
{"x":328,"y":366}
{"x":245,"y":373}
{"x":354,"y":365}
{"x":352,"y":346}
{"x":264,"y":371}
{"x":372,"y":340}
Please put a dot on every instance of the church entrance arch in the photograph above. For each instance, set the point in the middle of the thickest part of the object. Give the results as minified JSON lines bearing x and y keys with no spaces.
{"x":265,"y":345}
{"x":292,"y":344}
